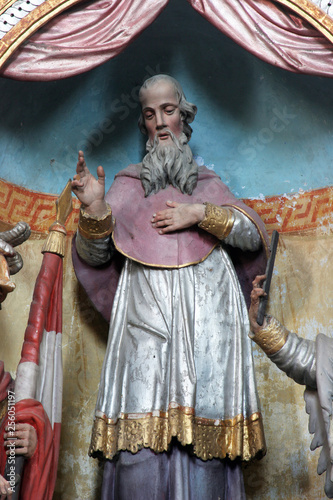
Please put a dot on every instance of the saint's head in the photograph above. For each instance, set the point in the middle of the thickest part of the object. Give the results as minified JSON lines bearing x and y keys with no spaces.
{"x":165,"y":117}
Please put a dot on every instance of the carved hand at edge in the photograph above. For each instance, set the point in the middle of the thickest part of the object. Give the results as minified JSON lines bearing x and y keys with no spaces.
{"x":5,"y":490}
{"x":256,"y":293}
{"x":24,"y":438}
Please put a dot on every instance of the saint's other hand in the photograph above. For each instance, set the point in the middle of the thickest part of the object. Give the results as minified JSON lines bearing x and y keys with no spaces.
{"x":178,"y":216}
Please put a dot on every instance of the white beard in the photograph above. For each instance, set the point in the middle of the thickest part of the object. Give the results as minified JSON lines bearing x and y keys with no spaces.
{"x":169,"y":164}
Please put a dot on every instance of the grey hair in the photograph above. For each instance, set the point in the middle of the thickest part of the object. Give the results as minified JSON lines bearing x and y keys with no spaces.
{"x":187,"y":109}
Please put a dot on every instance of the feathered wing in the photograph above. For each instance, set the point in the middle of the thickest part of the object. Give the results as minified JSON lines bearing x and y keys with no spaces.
{"x":319,"y":408}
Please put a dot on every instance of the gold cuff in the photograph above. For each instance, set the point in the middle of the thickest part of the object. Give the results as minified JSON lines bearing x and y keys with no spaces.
{"x":218,"y":221}
{"x":93,"y":227}
{"x":271,"y":338}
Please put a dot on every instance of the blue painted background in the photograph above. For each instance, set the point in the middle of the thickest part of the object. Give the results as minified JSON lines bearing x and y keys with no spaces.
{"x":265,"y":131}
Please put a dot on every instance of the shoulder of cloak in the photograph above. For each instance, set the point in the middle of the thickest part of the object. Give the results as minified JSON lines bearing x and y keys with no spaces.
{"x":100,"y":283}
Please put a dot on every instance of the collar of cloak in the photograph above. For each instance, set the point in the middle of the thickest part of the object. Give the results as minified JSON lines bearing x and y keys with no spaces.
{"x":135,"y":238}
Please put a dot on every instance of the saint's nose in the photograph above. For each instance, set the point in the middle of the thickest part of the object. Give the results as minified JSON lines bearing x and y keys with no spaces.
{"x":160,"y":122}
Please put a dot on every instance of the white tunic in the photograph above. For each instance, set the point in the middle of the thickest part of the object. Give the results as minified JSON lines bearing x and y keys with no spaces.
{"x":180,"y":337}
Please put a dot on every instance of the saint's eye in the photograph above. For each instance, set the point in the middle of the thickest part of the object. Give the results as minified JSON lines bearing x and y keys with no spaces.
{"x":149,"y":115}
{"x":169,"y":110}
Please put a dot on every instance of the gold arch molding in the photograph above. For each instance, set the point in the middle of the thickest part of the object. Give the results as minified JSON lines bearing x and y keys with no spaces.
{"x":314,"y":14}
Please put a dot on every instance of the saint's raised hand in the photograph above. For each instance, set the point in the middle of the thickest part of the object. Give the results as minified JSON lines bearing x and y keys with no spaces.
{"x":89,"y":190}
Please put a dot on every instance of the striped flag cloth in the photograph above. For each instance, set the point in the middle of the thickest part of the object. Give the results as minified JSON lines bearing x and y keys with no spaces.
{"x":37,"y":397}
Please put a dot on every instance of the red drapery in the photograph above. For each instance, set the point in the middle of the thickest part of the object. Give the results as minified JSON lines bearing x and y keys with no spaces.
{"x":94,"y":32}
{"x":81,"y":39}
{"x":271,"y":33}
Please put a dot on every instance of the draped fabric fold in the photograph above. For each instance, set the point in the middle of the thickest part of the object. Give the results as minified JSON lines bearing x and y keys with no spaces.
{"x":272,"y":33}
{"x":81,"y":39}
{"x":96,"y":31}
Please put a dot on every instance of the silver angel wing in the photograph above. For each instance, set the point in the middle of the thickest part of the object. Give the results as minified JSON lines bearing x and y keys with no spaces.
{"x":319,"y":409}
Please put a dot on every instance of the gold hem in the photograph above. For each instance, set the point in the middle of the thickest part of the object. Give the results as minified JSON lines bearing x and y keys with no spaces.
{"x":238,"y":437}
{"x":161,"y":266}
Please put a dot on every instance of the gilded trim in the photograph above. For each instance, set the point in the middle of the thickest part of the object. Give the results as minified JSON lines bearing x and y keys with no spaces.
{"x":271,"y":338}
{"x":93,"y":227}
{"x":163,"y":266}
{"x":237,"y":437}
{"x":6,"y":5}
{"x":55,"y":242}
{"x":218,"y":221}
{"x":313,"y":14}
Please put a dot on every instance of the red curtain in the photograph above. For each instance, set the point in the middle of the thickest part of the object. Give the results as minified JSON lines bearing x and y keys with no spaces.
{"x":81,"y":39}
{"x":94,"y":32}
{"x":271,"y":33}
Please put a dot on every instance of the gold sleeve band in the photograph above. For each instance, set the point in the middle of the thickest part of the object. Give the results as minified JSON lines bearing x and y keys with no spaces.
{"x":93,"y":227}
{"x":271,"y":338}
{"x":218,"y":221}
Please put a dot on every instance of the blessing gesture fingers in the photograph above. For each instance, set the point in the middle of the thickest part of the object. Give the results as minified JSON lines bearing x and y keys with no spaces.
{"x":89,"y":190}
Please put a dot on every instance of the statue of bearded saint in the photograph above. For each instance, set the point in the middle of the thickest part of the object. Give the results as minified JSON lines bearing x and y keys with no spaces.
{"x":11,"y":261}
{"x":177,"y":389}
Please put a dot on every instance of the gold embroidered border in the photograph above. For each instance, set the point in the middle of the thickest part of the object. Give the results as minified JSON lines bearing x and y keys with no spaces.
{"x":93,"y":227}
{"x":218,"y":221}
{"x":237,"y":437}
{"x":271,"y":338}
{"x":313,"y":14}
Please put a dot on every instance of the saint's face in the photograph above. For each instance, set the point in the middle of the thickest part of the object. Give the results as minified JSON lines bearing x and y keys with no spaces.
{"x":160,"y":108}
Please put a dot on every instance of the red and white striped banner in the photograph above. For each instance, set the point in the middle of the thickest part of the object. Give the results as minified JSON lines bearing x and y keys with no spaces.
{"x":38,"y":385}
